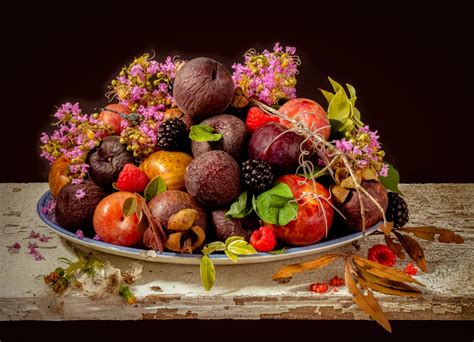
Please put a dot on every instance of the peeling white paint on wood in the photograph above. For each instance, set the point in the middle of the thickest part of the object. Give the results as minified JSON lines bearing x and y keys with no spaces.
{"x":241,"y":291}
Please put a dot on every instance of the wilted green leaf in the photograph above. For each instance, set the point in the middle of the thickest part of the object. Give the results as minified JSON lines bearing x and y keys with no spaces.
{"x":156,"y":186}
{"x":213,"y":247}
{"x":129,"y":207}
{"x":202,"y":133}
{"x":241,"y":207}
{"x":232,"y":256}
{"x":231,"y":239}
{"x":241,"y":247}
{"x":208,"y":273}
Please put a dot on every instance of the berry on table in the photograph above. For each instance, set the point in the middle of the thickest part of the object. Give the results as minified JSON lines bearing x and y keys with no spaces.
{"x":256,"y":175}
{"x":410,"y":269}
{"x":257,"y":118}
{"x":319,"y":287}
{"x":336,"y":281}
{"x":383,"y":255}
{"x":132,"y":179}
{"x":397,"y":210}
{"x":263,"y":239}
{"x":172,"y":135}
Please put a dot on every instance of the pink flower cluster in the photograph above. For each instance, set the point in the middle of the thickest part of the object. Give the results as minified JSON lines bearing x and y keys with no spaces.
{"x":364,"y":150}
{"x":75,"y":136}
{"x":269,"y":76}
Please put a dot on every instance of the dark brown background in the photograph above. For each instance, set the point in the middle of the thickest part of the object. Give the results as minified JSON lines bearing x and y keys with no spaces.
{"x":411,"y":67}
{"x":411,"y":72}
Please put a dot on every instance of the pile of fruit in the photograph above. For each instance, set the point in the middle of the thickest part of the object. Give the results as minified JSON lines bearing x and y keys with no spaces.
{"x":189,"y":154}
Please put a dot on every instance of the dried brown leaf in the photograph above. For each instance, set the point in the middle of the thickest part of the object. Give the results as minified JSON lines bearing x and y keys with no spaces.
{"x":340,"y":194}
{"x":239,"y":100}
{"x":386,"y":286}
{"x":394,"y":247}
{"x":414,"y":250}
{"x":385,"y":272}
{"x":287,"y":272}
{"x":386,"y":228}
{"x":429,"y":233}
{"x":367,"y":303}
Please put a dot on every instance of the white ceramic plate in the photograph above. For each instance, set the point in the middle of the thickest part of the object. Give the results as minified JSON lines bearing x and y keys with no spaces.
{"x":331,"y":242}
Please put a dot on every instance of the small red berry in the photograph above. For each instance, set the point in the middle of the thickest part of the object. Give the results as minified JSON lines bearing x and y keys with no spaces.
{"x":410,"y":269}
{"x":263,"y":239}
{"x":132,"y":179}
{"x":318,"y":287}
{"x":336,"y":281}
{"x":383,"y":255}
{"x":257,"y":118}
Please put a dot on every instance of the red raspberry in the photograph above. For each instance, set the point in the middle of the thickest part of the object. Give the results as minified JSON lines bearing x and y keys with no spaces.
{"x":263,"y":239}
{"x":318,"y":287}
{"x":132,"y":179}
{"x":336,"y":281}
{"x":383,"y":255}
{"x":257,"y":118}
{"x":410,"y":269}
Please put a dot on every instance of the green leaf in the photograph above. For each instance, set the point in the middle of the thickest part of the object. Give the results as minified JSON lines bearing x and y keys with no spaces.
{"x":129,"y":206}
{"x":213,"y":247}
{"x":352,"y":91}
{"x":202,"y":133}
{"x":231,"y":239}
{"x":340,"y":107}
{"x":231,"y":256}
{"x":241,"y":247}
{"x":156,"y":186}
{"x":287,"y":214}
{"x":208,"y":272}
{"x":336,"y":86}
{"x":392,"y":180}
{"x":241,"y":207}
{"x":271,"y":202}
{"x":328,"y":95}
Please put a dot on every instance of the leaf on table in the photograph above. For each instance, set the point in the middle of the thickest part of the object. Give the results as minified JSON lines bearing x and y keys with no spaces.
{"x":386,"y":286}
{"x":429,"y":233}
{"x":386,"y":228}
{"x":414,"y":250}
{"x":394,"y":247}
{"x":285,"y":273}
{"x":367,"y":303}
{"x":382,"y":271}
{"x":207,"y":272}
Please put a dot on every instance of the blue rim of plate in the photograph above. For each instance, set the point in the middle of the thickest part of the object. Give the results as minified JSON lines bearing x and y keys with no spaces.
{"x":291,"y":250}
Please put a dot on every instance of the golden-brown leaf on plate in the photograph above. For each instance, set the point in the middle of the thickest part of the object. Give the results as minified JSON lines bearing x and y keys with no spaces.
{"x":287,"y":271}
{"x":395,"y":247}
{"x":382,"y":271}
{"x":386,"y":227}
{"x":386,"y":286}
{"x":429,"y":233}
{"x":367,"y":303}
{"x":340,"y":194}
{"x":414,"y":250}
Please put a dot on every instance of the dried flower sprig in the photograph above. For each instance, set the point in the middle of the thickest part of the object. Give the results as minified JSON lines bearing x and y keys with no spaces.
{"x":268,"y":76}
{"x":145,"y":82}
{"x":76,"y":134}
{"x":93,"y":277}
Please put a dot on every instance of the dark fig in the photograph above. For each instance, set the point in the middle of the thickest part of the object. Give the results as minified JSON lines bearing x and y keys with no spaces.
{"x":226,"y":227}
{"x":107,"y":161}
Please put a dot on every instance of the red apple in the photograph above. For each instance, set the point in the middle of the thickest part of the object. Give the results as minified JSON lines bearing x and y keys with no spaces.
{"x":310,"y":226}
{"x":112,"y":225}
{"x":309,"y":112}
{"x":111,"y":116}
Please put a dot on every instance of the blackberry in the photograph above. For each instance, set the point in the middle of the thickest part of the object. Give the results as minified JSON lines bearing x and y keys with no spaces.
{"x":256,"y":175}
{"x":172,"y":135}
{"x":397,"y":210}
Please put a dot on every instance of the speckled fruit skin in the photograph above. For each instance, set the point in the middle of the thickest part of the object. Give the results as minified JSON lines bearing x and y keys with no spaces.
{"x":351,"y":208}
{"x":112,"y":225}
{"x":279,"y":149}
{"x":171,"y":166}
{"x":203,"y":88}
{"x":113,"y":119}
{"x":234,"y":136}
{"x":310,"y":225}
{"x":57,"y":175}
{"x":213,"y":178}
{"x":309,"y":112}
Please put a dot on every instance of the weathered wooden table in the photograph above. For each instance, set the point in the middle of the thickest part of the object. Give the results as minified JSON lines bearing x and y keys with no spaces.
{"x":241,"y":291}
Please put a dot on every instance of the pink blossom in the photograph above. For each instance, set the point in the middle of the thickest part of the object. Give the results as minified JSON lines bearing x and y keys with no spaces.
{"x":77,"y":181}
{"x":96,"y":238}
{"x":44,"y":238}
{"x":14,"y":249}
{"x":79,"y":234}
{"x":34,"y":235}
{"x":80,"y":193}
{"x":384,"y":170}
